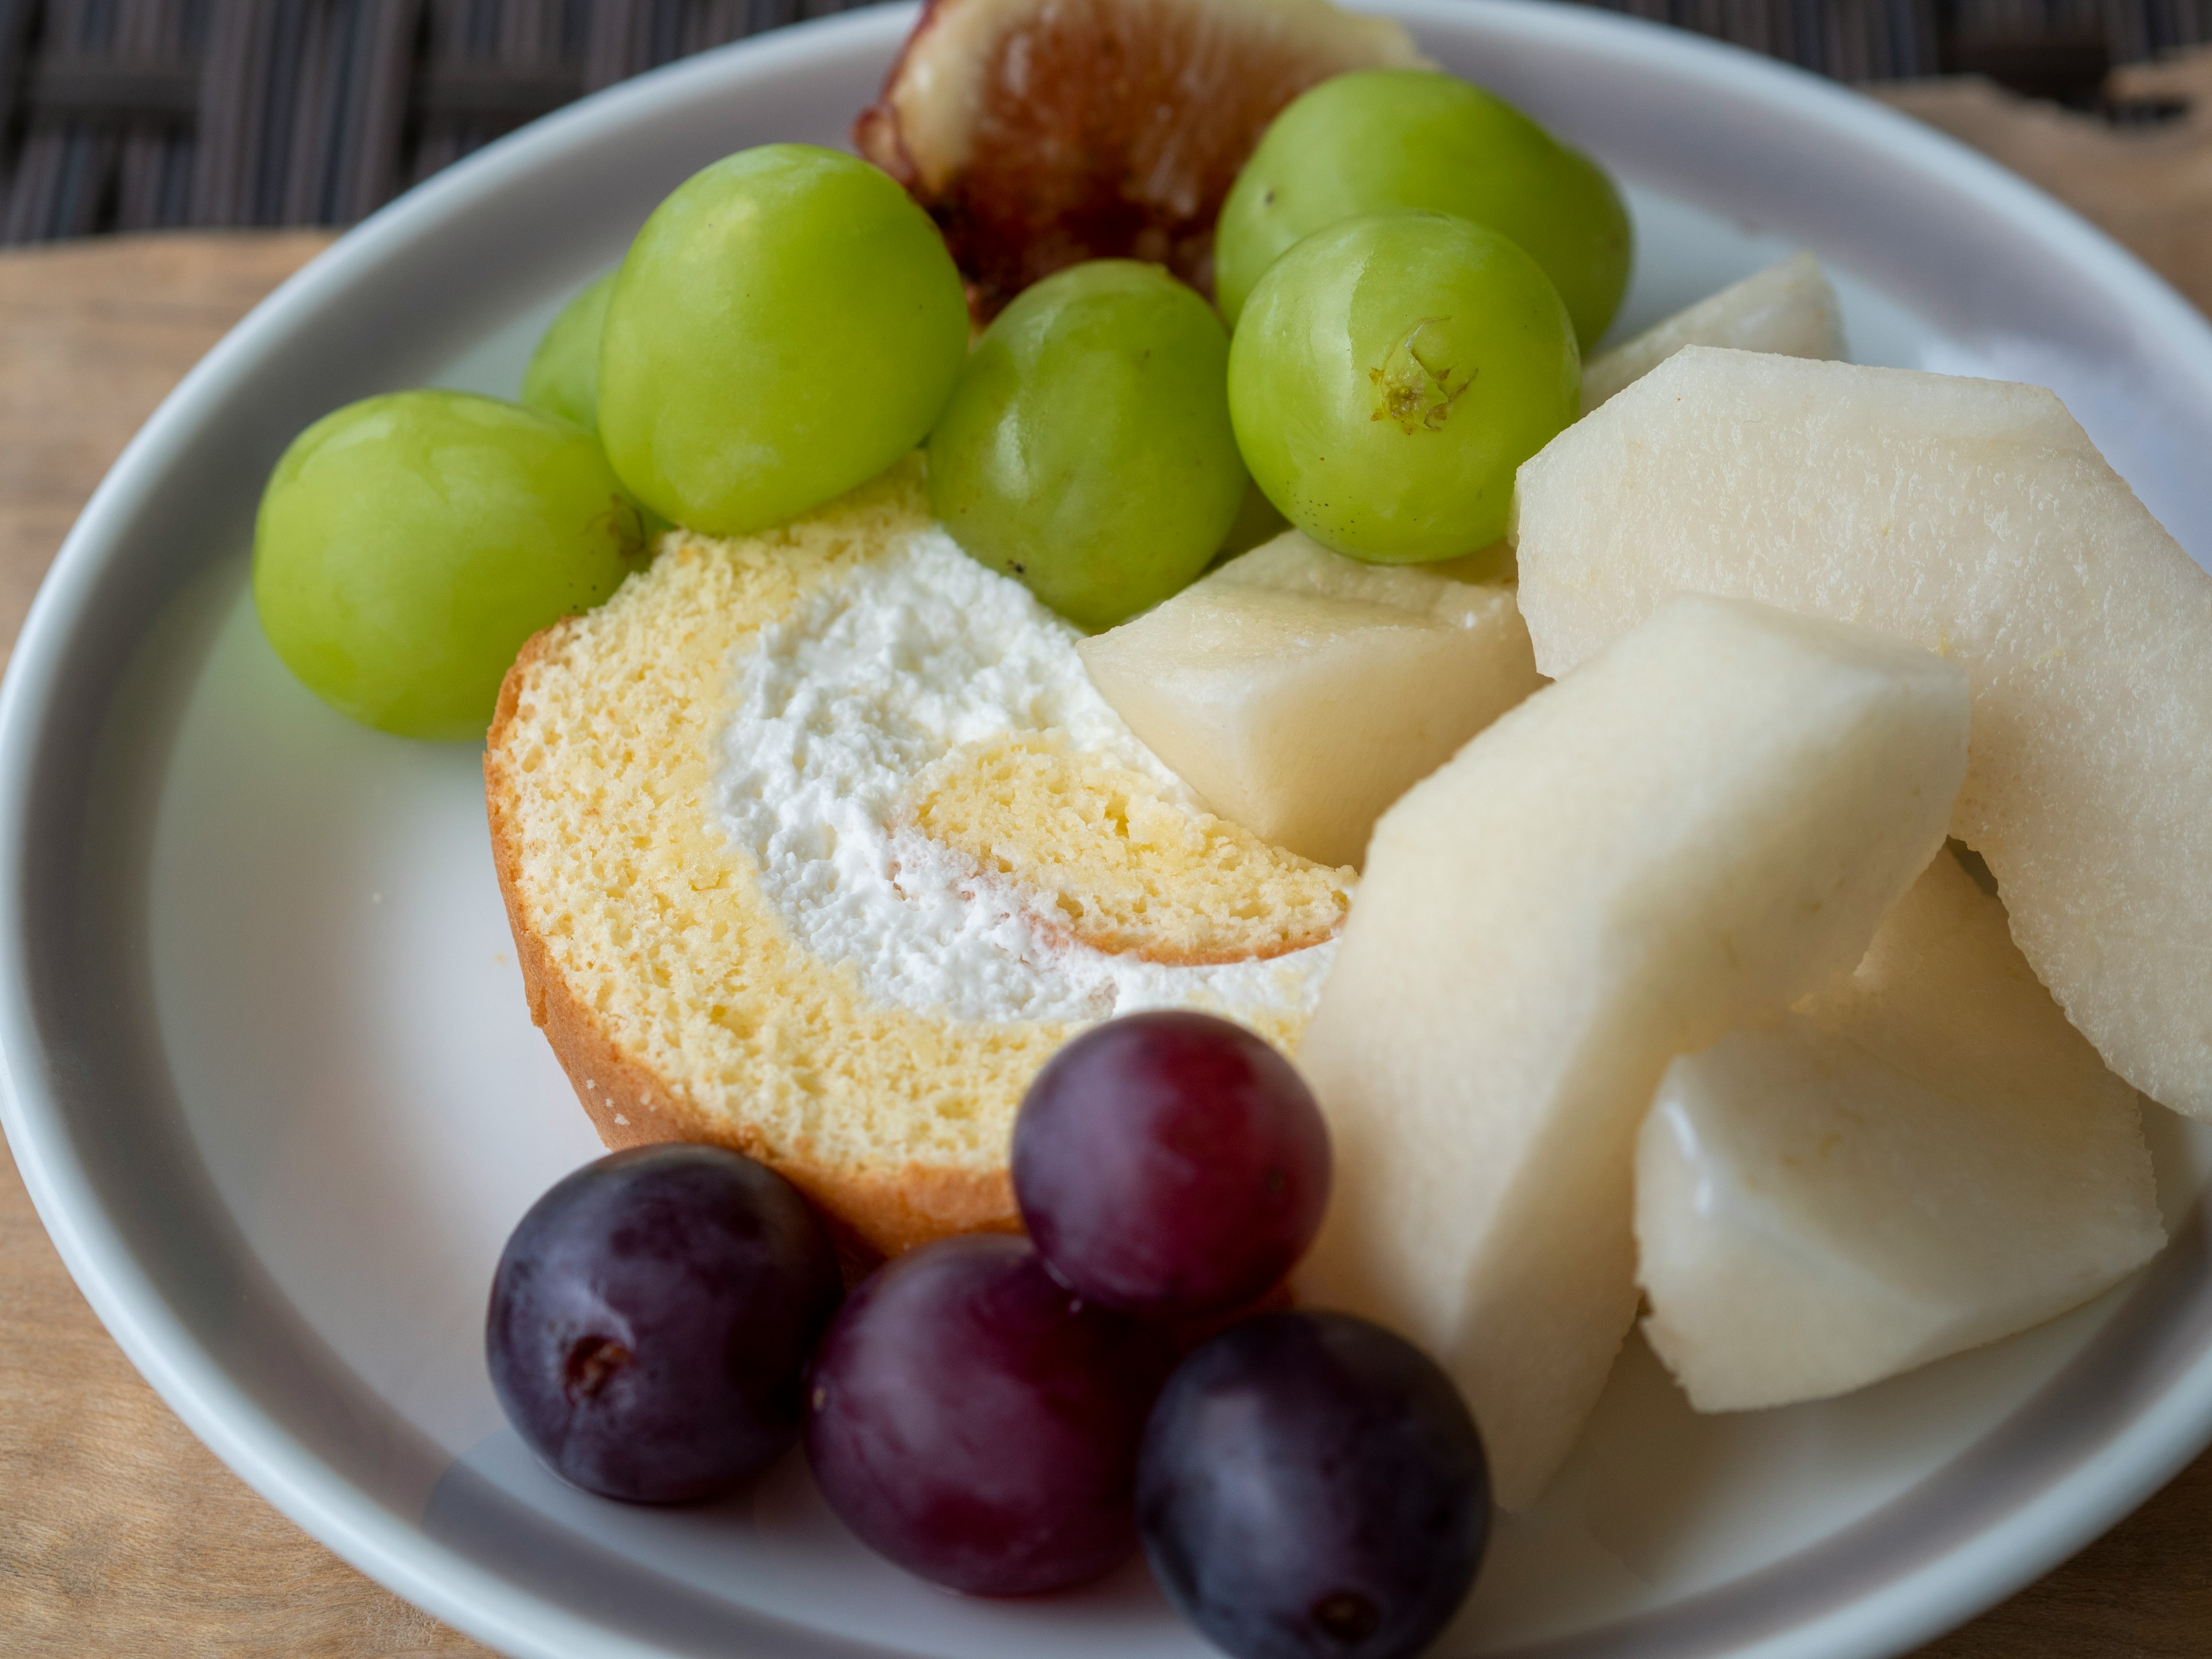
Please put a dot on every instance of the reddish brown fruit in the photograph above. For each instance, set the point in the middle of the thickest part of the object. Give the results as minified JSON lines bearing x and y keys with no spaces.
{"x":1039,"y":133}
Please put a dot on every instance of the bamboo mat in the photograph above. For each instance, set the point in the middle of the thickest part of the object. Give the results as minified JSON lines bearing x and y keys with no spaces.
{"x":120,"y":1534}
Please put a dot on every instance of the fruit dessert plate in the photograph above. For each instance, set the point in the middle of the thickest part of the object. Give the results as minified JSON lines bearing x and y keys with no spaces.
{"x":272,"y":1081}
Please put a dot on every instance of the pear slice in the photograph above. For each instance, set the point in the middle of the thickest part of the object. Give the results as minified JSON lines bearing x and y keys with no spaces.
{"x":1790,"y":309}
{"x":1921,"y":1158}
{"x":1299,"y":692}
{"x":1695,"y":828}
{"x":1976,"y":518}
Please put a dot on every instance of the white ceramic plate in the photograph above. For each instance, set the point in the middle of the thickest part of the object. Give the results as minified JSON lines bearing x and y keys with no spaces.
{"x":271,"y":1083}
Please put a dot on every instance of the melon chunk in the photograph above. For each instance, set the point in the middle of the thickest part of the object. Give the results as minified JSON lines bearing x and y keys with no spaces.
{"x":1789,"y":308}
{"x":1973,"y":517}
{"x":1698,"y":827}
{"x":1924,"y":1157}
{"x":1300,"y":692}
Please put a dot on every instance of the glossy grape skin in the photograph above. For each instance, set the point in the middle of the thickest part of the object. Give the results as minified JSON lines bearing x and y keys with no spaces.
{"x":1311,"y":1487}
{"x":1171,"y":1164}
{"x":651,"y":1320}
{"x":563,"y":376}
{"x":787,"y":325}
{"x":974,"y":1420}
{"x":1389,"y":376}
{"x":1087,"y":451}
{"x":408,"y":544}
{"x":1382,"y":139}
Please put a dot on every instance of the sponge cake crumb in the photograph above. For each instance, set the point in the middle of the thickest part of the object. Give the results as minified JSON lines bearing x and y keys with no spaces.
{"x":1129,"y":869}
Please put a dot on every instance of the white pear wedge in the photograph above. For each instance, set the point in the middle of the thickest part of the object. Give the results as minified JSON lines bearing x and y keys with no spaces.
{"x":1976,"y":518}
{"x":1695,"y":828}
{"x":1790,"y":309}
{"x":1299,"y":692}
{"x":1921,"y":1158}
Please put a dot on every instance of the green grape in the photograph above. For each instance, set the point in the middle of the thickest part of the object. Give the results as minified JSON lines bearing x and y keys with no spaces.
{"x":1380,"y":139}
{"x":1388,"y":375}
{"x":408,"y":544}
{"x":786,"y":326}
{"x":1087,"y":451}
{"x":563,"y":376}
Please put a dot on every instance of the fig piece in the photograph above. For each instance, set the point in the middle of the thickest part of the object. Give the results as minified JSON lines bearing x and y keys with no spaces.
{"x":1040,"y":133}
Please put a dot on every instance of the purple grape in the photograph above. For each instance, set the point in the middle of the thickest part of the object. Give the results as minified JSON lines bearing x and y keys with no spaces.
{"x":1312,"y":1487}
{"x":651,"y":1317}
{"x":1171,"y":1164}
{"x":975,"y":1421}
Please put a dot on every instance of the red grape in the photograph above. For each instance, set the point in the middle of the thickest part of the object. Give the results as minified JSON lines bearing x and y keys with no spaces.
{"x":976,"y":1422}
{"x":650,"y":1319}
{"x":1312,"y":1487}
{"x":1171,"y":1164}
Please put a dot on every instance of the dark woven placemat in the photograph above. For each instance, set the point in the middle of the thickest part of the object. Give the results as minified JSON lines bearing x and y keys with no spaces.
{"x":139,"y":114}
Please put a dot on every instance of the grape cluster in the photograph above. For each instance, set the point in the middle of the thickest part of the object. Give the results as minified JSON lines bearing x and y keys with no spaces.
{"x":1005,"y":1416}
{"x":1409,"y":265}
{"x":977,"y":1409}
{"x":999,"y":1416}
{"x":785,"y":326}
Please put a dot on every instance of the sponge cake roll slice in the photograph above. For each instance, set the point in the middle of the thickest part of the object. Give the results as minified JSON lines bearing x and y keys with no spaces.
{"x":816,"y":844}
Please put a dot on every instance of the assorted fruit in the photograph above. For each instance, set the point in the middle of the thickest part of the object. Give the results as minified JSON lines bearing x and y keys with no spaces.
{"x":1660,"y":984}
{"x":790,"y":321}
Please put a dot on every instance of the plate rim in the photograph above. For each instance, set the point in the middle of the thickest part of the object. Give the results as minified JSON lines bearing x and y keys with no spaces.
{"x":1946,"y":1589}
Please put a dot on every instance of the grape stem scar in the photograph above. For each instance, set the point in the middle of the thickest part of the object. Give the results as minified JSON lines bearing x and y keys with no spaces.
{"x":1415,"y":391}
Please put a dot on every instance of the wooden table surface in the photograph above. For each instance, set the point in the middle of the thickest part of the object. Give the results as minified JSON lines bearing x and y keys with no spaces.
{"x":120,"y":1534}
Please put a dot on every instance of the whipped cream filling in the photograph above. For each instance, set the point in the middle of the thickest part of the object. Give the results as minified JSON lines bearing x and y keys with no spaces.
{"x":845,"y":702}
